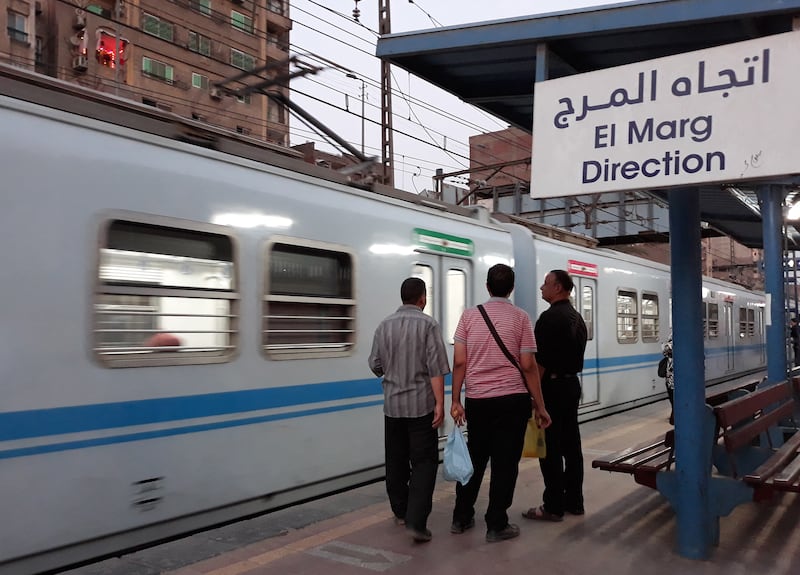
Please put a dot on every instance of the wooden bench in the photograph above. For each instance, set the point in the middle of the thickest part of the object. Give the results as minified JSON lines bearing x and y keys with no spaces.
{"x":741,"y":423}
{"x":643,"y":461}
{"x":646,"y":459}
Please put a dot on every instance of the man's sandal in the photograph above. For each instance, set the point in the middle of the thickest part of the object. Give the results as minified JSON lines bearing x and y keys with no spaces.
{"x":539,"y":514}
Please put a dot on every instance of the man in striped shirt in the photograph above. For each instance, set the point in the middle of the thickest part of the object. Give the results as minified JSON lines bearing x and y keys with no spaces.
{"x":409,"y":353}
{"x":498,"y":402}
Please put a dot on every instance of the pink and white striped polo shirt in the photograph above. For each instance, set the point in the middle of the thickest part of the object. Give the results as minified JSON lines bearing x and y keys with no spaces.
{"x":489,"y":373}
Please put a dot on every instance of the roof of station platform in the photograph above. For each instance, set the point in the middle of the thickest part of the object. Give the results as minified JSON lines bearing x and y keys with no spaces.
{"x":493,"y":64}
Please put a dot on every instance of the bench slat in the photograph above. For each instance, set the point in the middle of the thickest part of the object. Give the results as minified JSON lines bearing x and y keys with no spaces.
{"x":651,"y":455}
{"x":733,"y":411}
{"x":776,"y":462}
{"x":738,"y":438}
{"x":790,"y":473}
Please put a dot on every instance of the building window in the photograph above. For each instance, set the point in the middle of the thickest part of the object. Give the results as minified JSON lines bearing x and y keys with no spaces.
{"x":241,"y":22}
{"x":200,"y":44}
{"x":243,"y":130}
{"x":202,"y":6}
{"x":39,"y":54}
{"x":627,"y":317}
{"x":277,"y":6}
{"x":243,"y":99}
{"x":199,"y":81}
{"x":165,"y":296}
{"x":17,"y":27}
{"x":105,"y":51}
{"x":242,"y":60}
{"x":158,"y":70}
{"x":156,"y":27}
{"x":309,"y":302}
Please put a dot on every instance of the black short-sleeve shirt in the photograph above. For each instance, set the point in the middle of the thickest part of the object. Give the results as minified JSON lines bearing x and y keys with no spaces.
{"x":561,"y":339}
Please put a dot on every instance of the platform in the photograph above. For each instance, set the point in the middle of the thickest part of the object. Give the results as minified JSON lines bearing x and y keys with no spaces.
{"x":628,"y":529}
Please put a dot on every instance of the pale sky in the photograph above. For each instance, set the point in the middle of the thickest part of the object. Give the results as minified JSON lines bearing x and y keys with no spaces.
{"x":448,"y":123}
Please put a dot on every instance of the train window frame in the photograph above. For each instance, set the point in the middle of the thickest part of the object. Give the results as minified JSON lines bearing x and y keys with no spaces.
{"x":712,"y":325}
{"x":307,"y":350}
{"x":590,"y":321}
{"x":633,"y":316}
{"x":655,"y":333}
{"x":143,"y":292}
{"x":429,"y":277}
{"x":452,"y":314}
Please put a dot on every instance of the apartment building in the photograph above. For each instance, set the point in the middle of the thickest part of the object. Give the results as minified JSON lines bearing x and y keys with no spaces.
{"x":164,"y":53}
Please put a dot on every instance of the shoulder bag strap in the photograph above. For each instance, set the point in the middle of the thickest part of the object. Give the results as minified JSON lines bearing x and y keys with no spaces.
{"x":500,"y":343}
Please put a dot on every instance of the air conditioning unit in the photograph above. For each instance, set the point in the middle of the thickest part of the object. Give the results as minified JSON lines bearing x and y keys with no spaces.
{"x":215,"y":93}
{"x":80,"y":63}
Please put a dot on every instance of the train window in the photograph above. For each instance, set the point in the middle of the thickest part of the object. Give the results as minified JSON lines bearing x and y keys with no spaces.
{"x":309,"y":303}
{"x":627,"y":316}
{"x":747,"y":322}
{"x":456,"y":301}
{"x":712,"y":313}
{"x":425,"y":273}
{"x":165,"y":296}
{"x":650,"y":326}
{"x":587,"y":310}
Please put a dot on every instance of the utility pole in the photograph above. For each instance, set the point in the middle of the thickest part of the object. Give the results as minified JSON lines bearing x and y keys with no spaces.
{"x":363,"y":96}
{"x":387,"y":140}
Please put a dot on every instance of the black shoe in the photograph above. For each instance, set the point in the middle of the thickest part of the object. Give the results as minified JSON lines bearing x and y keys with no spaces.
{"x":420,"y":536}
{"x":509,"y":532}
{"x":577,"y":511}
{"x":459,"y":527}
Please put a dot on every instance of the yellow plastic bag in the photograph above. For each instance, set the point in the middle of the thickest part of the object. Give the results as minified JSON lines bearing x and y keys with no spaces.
{"x":534,"y":440}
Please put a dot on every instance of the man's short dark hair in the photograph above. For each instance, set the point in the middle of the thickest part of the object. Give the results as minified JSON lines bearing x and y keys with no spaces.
{"x":500,"y":280}
{"x":411,"y":290}
{"x":564,"y":280}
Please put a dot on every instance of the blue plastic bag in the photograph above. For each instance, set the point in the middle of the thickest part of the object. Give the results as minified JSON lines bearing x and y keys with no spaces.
{"x":457,"y":462}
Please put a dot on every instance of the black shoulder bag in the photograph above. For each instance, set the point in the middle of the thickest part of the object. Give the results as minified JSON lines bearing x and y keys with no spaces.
{"x":502,"y":346}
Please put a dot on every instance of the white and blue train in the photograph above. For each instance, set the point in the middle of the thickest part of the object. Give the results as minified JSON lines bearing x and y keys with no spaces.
{"x":186,"y":327}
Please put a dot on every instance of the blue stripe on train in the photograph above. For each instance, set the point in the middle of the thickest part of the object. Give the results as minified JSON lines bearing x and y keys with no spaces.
{"x":84,"y":418}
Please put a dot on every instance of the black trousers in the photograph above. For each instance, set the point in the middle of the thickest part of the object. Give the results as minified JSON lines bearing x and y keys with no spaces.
{"x":562,"y":469}
{"x":412,"y":458}
{"x":496,"y":428}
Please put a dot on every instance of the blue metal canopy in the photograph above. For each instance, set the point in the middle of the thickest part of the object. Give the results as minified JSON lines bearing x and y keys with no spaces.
{"x":493,"y":65}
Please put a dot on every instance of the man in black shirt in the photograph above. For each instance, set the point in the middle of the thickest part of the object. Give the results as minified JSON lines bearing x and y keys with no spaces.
{"x":561,"y":341}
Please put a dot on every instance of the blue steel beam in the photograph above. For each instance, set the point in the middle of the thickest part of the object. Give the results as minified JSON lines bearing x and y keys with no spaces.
{"x":771,"y":200}
{"x":594,"y":21}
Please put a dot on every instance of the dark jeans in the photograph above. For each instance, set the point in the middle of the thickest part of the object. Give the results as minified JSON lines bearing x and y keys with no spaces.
{"x":412,"y":457}
{"x":496,"y":428}
{"x":562,"y":469}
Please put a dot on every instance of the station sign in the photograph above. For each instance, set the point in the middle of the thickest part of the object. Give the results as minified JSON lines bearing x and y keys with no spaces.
{"x":584,"y":269}
{"x":717,"y":115}
{"x":444,"y":243}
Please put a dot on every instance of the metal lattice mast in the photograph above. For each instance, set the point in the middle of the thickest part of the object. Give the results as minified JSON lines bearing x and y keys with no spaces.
{"x":387,"y":140}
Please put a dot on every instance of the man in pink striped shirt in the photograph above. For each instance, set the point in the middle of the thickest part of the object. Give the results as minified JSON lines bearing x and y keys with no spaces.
{"x":498,"y":402}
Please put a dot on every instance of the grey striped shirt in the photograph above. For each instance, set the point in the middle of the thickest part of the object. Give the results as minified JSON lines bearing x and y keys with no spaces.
{"x":407,"y":351}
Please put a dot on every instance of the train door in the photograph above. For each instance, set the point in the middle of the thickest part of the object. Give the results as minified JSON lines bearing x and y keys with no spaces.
{"x":586,"y":305}
{"x":730,"y":335}
{"x":448,"y":281}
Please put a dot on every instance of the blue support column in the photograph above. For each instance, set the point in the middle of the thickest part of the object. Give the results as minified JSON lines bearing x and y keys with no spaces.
{"x":771,"y":200}
{"x":696,"y":528}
